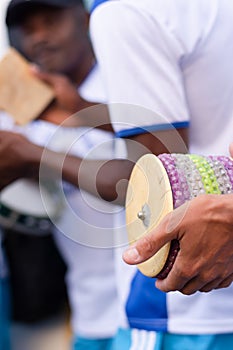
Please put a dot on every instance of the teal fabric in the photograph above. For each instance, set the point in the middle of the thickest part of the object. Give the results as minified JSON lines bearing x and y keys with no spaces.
{"x":4,"y":315}
{"x":165,"y":341}
{"x":197,"y":342}
{"x":92,"y":344}
{"x":122,"y":340}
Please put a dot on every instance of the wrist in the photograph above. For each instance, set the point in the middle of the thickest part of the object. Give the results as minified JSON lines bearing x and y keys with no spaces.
{"x":226,"y":208}
{"x":219,"y":208}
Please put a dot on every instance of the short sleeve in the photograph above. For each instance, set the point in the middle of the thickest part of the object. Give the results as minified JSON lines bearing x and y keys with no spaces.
{"x":139,"y":62}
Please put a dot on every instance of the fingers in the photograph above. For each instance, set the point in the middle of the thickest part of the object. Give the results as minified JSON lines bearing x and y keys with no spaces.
{"x":166,"y":231}
{"x":210,"y":286}
{"x":226,"y":282}
{"x":35,"y":70}
{"x":177,"y":281}
{"x":148,"y":245}
{"x":145,"y":248}
{"x":194,"y":285}
{"x":51,"y":79}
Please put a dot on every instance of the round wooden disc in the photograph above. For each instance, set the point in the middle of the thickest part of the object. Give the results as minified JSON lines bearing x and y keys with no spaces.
{"x":148,"y":200}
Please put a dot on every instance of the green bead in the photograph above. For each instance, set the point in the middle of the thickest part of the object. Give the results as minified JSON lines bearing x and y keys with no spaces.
{"x":208,"y":177}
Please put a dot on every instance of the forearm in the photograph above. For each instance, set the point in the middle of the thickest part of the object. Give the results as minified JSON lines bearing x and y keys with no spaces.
{"x":105,"y":179}
{"x":102,"y":178}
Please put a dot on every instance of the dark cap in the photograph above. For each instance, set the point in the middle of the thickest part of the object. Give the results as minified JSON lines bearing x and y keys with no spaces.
{"x":16,"y":8}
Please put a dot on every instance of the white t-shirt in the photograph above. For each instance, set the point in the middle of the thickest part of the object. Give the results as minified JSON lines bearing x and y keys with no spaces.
{"x":86,"y":222}
{"x":168,"y":63}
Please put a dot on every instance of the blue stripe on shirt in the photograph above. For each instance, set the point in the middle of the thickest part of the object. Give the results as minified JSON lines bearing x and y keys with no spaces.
{"x":151,"y":128}
{"x":96,"y":3}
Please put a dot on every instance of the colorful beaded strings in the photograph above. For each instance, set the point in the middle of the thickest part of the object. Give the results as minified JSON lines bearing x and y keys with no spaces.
{"x":190,"y":176}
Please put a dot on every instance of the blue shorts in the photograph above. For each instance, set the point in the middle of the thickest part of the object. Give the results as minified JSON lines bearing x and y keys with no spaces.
{"x":134,"y":339}
{"x":4,"y":314}
{"x":81,"y":343}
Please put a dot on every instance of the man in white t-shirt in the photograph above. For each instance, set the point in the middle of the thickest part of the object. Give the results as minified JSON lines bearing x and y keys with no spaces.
{"x":167,"y":56}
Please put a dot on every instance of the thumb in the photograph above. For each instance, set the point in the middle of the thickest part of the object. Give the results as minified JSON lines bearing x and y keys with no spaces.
{"x":148,"y":245}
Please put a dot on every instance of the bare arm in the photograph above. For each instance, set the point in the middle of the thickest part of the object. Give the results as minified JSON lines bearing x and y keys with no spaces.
{"x":107,"y":179}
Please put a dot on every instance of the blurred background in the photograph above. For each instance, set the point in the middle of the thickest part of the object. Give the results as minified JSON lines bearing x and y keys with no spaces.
{"x":52,"y":333}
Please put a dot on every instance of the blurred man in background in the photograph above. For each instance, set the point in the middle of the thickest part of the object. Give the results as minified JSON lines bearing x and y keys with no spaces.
{"x":54,"y":35}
